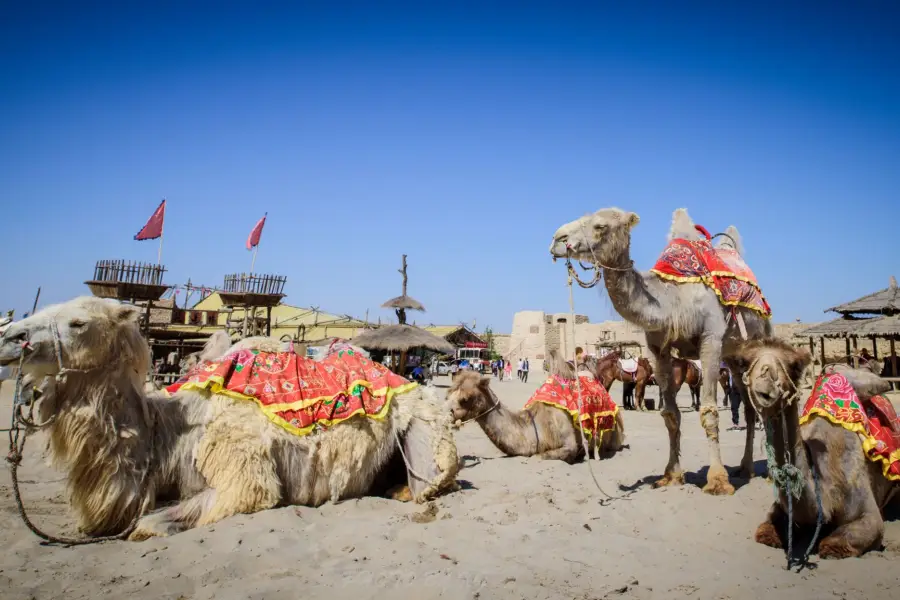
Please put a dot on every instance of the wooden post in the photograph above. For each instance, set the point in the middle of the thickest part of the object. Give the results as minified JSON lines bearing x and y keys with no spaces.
{"x":874,"y":347}
{"x":848,"y":355}
{"x":401,"y":312}
{"x":855,"y":353}
{"x":268,"y":320}
{"x":812,"y":348}
{"x":822,"y":350}
{"x":893,"y":358}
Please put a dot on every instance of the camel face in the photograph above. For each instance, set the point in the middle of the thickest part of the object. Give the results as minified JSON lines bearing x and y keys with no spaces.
{"x":593,"y":236}
{"x":770,"y":369}
{"x":90,"y":332}
{"x":469,"y":396}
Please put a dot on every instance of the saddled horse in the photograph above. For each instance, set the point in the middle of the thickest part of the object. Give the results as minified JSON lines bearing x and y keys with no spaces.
{"x":634,"y":373}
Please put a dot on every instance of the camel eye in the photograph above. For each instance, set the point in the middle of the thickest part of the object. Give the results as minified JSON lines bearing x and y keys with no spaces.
{"x":599,"y":227}
{"x":77,"y":323}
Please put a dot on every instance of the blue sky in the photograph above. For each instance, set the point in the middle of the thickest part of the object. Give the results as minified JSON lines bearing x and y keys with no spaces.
{"x":461,"y":134}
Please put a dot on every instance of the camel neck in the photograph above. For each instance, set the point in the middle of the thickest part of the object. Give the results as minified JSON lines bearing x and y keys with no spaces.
{"x":634,"y":297}
{"x":511,"y":432}
{"x":795,"y":452}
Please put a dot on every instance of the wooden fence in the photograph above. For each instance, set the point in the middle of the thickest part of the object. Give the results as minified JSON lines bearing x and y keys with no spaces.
{"x":121,"y":271}
{"x":248,"y":283}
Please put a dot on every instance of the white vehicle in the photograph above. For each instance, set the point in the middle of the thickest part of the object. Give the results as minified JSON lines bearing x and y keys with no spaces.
{"x":477,"y":354}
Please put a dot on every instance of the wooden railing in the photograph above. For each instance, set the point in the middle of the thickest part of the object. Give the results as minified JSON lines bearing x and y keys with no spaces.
{"x":121,"y":271}
{"x":248,"y":283}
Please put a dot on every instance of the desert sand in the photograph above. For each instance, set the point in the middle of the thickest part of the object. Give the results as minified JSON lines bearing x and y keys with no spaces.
{"x":519,"y":528}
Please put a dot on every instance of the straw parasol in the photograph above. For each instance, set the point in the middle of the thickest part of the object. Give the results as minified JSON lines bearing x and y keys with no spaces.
{"x":401,"y":338}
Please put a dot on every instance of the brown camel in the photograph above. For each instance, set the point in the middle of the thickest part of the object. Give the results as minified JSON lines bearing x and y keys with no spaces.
{"x":686,"y":372}
{"x":853,"y":489}
{"x":539,"y":430}
{"x":687,"y":317}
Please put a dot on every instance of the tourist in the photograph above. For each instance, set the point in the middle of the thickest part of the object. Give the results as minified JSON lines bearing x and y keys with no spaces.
{"x":507,"y":367}
{"x":525,"y":371}
{"x":734,"y":399}
{"x":500,"y":366}
{"x":519,"y":372}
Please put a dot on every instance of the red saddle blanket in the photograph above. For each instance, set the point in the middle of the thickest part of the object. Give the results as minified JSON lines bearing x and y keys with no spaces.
{"x":598,"y":412}
{"x":875,"y":420}
{"x":296,"y":392}
{"x":722,"y":269}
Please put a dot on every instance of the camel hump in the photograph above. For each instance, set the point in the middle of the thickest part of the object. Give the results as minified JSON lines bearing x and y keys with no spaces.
{"x":683,"y":227}
{"x":731,"y":239}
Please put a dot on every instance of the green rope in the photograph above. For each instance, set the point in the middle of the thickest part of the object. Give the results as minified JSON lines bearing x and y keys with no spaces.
{"x":787,"y":478}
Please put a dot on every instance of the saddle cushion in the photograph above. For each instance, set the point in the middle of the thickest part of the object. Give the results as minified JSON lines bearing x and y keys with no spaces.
{"x":629,"y":365}
{"x":875,"y":421}
{"x":721,"y":269}
{"x":597,"y":412}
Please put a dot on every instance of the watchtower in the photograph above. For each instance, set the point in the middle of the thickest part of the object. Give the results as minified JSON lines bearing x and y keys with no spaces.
{"x":250,"y":292}
{"x":129,"y":281}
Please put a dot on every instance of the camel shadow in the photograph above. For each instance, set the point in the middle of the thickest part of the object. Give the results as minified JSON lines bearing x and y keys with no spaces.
{"x":698,"y":478}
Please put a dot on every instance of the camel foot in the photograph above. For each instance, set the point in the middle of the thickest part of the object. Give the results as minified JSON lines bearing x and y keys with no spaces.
{"x":767,"y":535}
{"x":836,"y":547}
{"x":718,"y":485}
{"x":141,"y":534}
{"x":401,"y":493}
{"x":746,"y":472}
{"x":669,"y":479}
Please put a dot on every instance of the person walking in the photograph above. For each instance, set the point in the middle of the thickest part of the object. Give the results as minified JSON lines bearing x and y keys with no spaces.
{"x":507,"y":367}
{"x":734,"y":399}
{"x":500,"y":366}
{"x":525,"y":371}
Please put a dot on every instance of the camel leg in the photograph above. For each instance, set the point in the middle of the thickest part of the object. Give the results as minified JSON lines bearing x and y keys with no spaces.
{"x":750,"y":416}
{"x":570,"y":451}
{"x":717,"y":482}
{"x":853,"y":538}
{"x":768,"y":532}
{"x":175,"y":519}
{"x":673,"y":475}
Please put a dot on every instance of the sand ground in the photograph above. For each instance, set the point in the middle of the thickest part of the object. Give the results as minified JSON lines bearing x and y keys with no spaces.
{"x":520,"y":528}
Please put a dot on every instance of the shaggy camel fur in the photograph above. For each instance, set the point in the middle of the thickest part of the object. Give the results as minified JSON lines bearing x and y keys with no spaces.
{"x":539,"y":430}
{"x":853,"y":488}
{"x":686,"y":317}
{"x":215,"y":455}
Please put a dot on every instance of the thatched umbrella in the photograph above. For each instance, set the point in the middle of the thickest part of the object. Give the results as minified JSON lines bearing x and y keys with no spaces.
{"x":403,"y":302}
{"x":401,"y":338}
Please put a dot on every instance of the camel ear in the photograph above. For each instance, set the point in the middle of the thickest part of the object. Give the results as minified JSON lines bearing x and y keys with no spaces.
{"x":798,"y":363}
{"x":632,"y":219}
{"x":127,"y":313}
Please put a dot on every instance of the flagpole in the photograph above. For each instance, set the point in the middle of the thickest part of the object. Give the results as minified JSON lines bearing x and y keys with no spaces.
{"x":253,"y":262}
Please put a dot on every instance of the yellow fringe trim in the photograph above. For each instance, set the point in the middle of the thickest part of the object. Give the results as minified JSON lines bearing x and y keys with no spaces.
{"x":216,"y":385}
{"x":706,"y":281}
{"x":868,"y":441}
{"x":578,"y":422}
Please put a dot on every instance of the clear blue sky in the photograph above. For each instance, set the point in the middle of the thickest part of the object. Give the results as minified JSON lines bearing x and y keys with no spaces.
{"x":462,"y":136}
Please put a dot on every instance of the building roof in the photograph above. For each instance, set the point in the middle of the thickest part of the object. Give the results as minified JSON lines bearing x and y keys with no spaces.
{"x":882,"y":325}
{"x":886,"y":301}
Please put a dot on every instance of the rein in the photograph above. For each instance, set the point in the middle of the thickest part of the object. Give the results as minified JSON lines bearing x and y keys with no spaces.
{"x":788,"y":478}
{"x":493,"y":407}
{"x":21,"y":426}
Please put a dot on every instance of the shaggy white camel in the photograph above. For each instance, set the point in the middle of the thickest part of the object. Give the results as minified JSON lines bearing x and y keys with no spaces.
{"x":124,"y":451}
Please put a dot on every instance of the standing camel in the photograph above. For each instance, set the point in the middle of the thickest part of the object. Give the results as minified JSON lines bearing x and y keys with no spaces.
{"x":686,"y":316}
{"x":687,"y":372}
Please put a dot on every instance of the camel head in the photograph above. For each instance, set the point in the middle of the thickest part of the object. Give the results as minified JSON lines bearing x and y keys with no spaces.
{"x":772,"y":370}
{"x":604,"y":237}
{"x":91,"y":333}
{"x":470,"y":395}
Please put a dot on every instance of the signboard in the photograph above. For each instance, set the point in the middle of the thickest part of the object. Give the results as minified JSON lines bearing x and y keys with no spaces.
{"x":476,"y":345}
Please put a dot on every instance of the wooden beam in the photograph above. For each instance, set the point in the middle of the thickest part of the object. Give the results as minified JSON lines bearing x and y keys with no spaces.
{"x":893,"y":358}
{"x":874,"y":347}
{"x":855,"y":353}
{"x":812,"y":348}
{"x":848,"y":355}
{"x":822,"y":350}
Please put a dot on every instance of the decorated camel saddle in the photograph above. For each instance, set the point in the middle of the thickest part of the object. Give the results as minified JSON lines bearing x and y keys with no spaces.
{"x":721,"y":269}
{"x":298,"y":393}
{"x":874,"y":420}
{"x":598,"y":411}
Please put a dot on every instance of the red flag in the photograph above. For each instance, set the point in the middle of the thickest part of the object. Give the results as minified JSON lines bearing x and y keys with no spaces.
{"x":154,"y":227}
{"x":253,"y":240}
